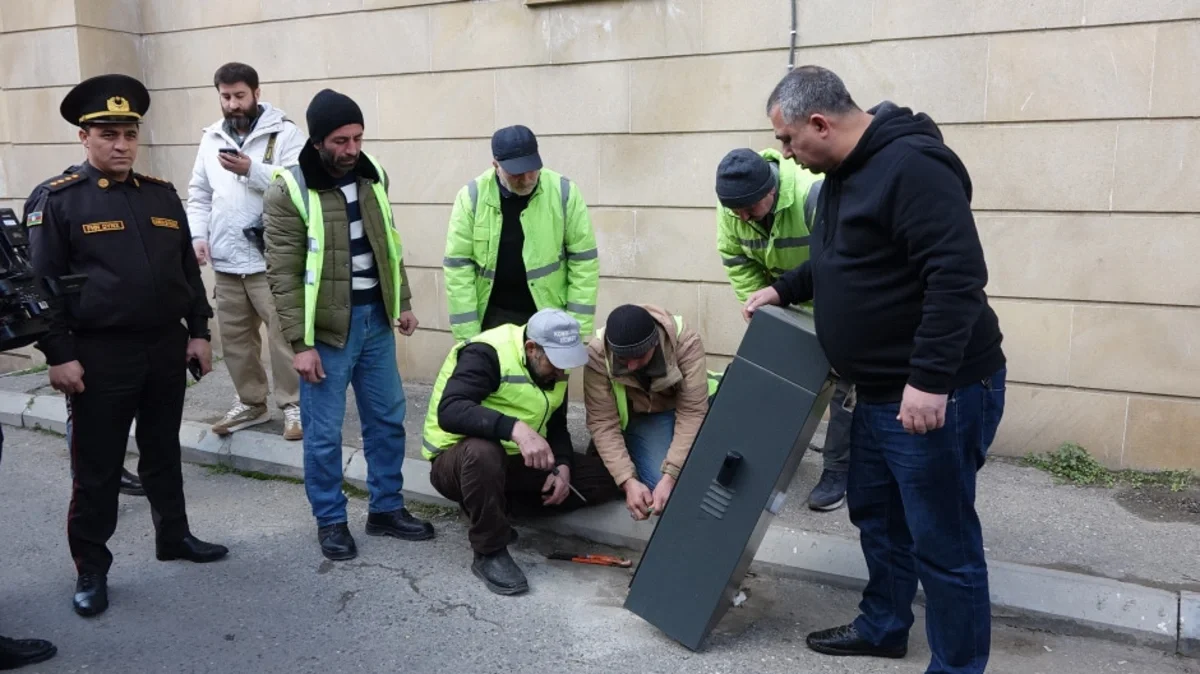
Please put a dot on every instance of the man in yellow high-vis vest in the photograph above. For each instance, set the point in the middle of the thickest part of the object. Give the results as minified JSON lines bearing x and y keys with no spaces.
{"x":646,"y":392}
{"x":496,"y":432}
{"x":519,"y":240}
{"x":767,"y":210}
{"x":335,"y":267}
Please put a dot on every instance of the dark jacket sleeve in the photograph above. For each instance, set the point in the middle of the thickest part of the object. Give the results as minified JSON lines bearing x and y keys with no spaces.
{"x":933,"y":220}
{"x":201,"y":310}
{"x":49,"y":246}
{"x":559,"y":438}
{"x":795,"y":285}
{"x":475,"y":377}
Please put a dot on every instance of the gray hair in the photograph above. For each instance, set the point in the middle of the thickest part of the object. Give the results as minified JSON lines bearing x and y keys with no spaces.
{"x":809,"y":90}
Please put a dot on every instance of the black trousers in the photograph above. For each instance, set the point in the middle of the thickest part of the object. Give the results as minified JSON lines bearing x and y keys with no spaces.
{"x":490,"y":484}
{"x":123,"y":376}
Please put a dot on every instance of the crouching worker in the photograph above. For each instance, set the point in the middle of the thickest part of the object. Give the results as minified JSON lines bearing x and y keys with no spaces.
{"x":646,"y":390}
{"x":496,"y":429}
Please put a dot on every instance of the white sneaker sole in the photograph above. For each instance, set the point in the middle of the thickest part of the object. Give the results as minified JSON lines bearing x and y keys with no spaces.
{"x":264,"y":418}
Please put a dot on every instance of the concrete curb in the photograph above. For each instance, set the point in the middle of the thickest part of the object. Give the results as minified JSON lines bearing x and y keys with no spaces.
{"x":1066,"y":602}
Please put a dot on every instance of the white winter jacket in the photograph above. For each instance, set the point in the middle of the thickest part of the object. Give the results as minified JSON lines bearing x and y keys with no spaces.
{"x":221,"y":203}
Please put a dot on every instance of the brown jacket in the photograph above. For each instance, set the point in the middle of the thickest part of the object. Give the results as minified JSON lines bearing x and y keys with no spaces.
{"x":683,"y":388}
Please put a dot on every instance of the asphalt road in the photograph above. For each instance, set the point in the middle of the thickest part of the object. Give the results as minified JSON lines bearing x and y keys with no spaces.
{"x":275,"y":605}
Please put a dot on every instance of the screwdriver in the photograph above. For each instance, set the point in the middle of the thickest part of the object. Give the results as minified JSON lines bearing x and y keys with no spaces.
{"x":581,"y":498}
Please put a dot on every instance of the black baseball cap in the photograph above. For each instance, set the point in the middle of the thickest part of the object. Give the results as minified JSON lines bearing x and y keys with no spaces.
{"x":516,"y":149}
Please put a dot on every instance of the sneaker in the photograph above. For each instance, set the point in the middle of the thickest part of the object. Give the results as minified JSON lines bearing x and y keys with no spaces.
{"x":242,"y":416}
{"x":291,"y":423}
{"x":830,"y":492}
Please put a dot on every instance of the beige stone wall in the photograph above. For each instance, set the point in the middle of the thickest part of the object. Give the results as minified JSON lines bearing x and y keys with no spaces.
{"x":1079,"y":121}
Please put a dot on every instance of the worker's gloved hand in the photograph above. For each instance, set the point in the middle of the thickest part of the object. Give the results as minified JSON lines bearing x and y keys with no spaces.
{"x":534,"y":448}
{"x":638,"y":499}
{"x":662,"y":492}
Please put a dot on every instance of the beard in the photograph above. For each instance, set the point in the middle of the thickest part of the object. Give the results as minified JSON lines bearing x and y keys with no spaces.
{"x":523,"y":191}
{"x":543,"y":382}
{"x":242,"y":120}
{"x":334,"y":164}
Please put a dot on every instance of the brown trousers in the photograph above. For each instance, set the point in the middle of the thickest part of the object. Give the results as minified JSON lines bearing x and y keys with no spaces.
{"x":489,"y":484}
{"x":244,"y":304}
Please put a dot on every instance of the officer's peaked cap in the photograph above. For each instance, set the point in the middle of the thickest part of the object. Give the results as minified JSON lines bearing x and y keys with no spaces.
{"x":113,"y":99}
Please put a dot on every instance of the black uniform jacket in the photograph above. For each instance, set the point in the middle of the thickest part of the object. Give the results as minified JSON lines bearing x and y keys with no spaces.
{"x":132,"y":241}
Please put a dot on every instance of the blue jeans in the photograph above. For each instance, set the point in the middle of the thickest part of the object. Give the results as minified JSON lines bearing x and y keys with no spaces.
{"x":368,"y":363}
{"x":647,"y":438}
{"x":912,"y":498}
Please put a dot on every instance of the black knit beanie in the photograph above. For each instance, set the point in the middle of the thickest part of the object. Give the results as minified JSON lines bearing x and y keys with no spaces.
{"x":330,"y":111}
{"x":630,"y":331}
{"x":743,"y":178}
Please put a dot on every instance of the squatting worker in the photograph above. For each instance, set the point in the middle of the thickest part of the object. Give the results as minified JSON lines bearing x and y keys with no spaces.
{"x":119,"y":348}
{"x":897,"y":253}
{"x":768,"y":205}
{"x":646,"y":393}
{"x":519,"y":240}
{"x":496,"y":429}
{"x":335,"y":263}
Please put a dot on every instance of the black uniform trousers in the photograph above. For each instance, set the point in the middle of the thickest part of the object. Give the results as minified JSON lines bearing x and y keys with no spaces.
{"x":125,"y":375}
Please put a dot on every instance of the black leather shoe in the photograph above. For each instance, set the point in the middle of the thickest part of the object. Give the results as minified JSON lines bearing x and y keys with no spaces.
{"x":130,"y":484}
{"x":336,"y":542}
{"x":192,"y":549}
{"x":846,"y":640}
{"x":500,"y":573}
{"x":16,"y":653}
{"x":91,"y":594}
{"x":399,"y":523}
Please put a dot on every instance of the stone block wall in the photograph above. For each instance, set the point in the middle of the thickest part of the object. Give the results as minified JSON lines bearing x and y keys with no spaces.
{"x":1078,"y":119}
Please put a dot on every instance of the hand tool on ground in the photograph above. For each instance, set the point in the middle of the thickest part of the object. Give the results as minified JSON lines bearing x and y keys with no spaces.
{"x":599,"y":560}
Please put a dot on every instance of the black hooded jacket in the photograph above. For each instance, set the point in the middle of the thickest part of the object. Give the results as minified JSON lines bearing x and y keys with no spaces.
{"x":896,"y":271}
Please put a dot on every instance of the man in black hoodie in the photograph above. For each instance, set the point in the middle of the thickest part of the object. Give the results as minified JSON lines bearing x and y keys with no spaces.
{"x":895,"y":249}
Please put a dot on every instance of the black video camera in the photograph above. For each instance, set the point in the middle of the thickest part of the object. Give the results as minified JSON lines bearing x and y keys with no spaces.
{"x":23,"y":304}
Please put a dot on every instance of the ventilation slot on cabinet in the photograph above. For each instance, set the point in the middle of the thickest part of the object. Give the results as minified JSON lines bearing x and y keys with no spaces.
{"x":716,"y":500}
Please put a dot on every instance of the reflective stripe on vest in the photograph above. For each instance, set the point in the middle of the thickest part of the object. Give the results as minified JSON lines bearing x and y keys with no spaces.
{"x":308,"y":203}
{"x":518,"y":395}
{"x":714,"y":378}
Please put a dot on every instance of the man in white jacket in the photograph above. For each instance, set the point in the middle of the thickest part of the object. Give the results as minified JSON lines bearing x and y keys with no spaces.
{"x":232,"y":170}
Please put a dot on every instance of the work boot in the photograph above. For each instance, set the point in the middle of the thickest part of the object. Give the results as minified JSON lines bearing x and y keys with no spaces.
{"x":400,"y":524}
{"x":16,"y":653}
{"x":830,"y":492}
{"x":292,"y":430}
{"x":242,"y":416}
{"x":500,"y":573}
{"x":336,"y":542}
{"x":846,"y":640}
{"x":91,"y":594}
{"x":130,"y":484}
{"x":191,"y":549}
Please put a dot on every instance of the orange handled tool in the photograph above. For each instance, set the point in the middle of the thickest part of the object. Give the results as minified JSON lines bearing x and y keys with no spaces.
{"x":601,"y":560}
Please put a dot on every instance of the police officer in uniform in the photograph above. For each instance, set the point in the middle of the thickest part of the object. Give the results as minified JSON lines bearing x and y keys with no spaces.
{"x":119,"y":349}
{"x":130,"y":484}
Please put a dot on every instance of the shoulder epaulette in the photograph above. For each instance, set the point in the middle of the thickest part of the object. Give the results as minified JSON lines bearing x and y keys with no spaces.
{"x":154,"y":179}
{"x":65,"y":181}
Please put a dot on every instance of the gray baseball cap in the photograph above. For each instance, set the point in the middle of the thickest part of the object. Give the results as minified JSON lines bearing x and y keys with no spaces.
{"x":557,"y":332}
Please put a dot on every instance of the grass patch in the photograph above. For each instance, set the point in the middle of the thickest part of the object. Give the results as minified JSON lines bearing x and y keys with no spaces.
{"x":430,"y":511}
{"x":1072,"y":464}
{"x":417,"y":508}
{"x":252,"y":474}
{"x":36,"y":369}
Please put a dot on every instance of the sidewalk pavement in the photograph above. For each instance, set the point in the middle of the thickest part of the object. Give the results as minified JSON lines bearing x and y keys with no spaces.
{"x":276,"y":606}
{"x":1074,"y":560}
